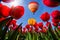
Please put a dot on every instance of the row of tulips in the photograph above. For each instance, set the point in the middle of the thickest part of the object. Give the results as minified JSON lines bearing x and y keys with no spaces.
{"x":15,"y":12}
{"x":9,"y":30}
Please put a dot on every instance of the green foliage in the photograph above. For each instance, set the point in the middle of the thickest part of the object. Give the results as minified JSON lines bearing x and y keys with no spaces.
{"x":6,"y":34}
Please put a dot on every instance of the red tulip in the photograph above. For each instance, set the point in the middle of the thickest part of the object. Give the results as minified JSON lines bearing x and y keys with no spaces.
{"x":13,"y":25}
{"x":55,"y":20}
{"x":45,"y":16}
{"x":48,"y":24}
{"x":36,"y":30}
{"x":28,"y":26}
{"x":14,"y":28}
{"x":39,"y":31}
{"x":51,"y":3}
{"x":36,"y":26}
{"x":5,"y":11}
{"x":44,"y":29}
{"x":20,"y":29}
{"x":40,"y":25}
{"x":0,"y":7}
{"x":30,"y":30}
{"x":55,"y":14}
{"x":59,"y":27}
{"x":13,"y":22}
{"x":55,"y":24}
{"x":2,"y":18}
{"x":17,"y":12}
{"x":24,"y":30}
{"x":7,"y":1}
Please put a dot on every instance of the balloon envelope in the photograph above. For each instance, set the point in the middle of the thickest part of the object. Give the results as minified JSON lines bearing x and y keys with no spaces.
{"x":33,"y":6}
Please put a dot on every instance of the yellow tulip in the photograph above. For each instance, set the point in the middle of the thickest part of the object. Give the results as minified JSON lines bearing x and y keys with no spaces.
{"x":31,"y":21}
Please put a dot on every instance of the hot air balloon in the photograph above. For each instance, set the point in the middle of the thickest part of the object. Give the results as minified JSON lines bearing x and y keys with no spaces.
{"x":31,"y":21}
{"x":33,"y":6}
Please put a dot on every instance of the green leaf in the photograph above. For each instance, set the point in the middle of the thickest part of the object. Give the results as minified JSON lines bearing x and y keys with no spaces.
{"x":14,"y":34}
{"x":26,"y":38}
{"x":3,"y":23}
{"x":53,"y":34}
{"x":29,"y":36}
{"x":4,"y":31}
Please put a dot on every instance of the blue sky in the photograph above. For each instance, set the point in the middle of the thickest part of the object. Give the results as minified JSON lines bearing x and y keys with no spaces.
{"x":28,"y":14}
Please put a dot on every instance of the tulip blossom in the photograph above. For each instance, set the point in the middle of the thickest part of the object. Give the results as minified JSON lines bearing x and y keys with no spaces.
{"x":20,"y":29}
{"x":40,"y":25}
{"x":24,"y":30}
{"x":13,"y":22}
{"x":30,"y":30}
{"x":44,"y":29}
{"x":45,"y":16}
{"x":27,"y":26}
{"x":13,"y":25}
{"x":31,"y":21}
{"x":17,"y":12}
{"x":0,"y":8}
{"x":55,"y":24}
{"x":36,"y":26}
{"x":55,"y":20}
{"x":5,"y":11}
{"x":2,"y":18}
{"x":59,"y":27}
{"x":55,"y":14}
{"x":36,"y":30}
{"x":0,"y":5}
{"x":51,"y":3}
{"x":48,"y":24}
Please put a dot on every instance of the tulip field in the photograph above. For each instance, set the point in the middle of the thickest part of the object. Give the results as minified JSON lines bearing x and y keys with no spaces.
{"x":33,"y":30}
